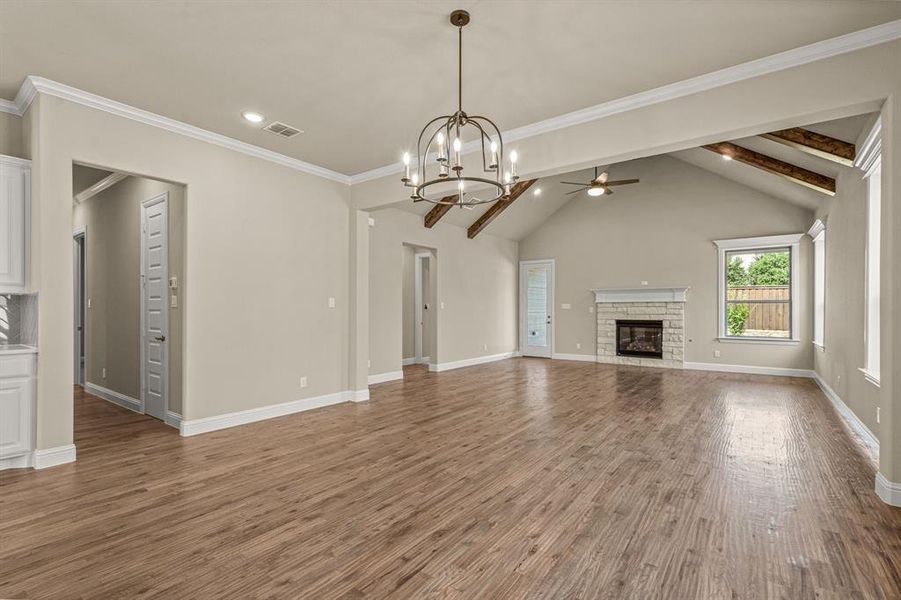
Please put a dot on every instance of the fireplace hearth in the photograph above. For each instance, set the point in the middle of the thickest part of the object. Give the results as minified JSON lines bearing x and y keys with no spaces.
{"x":639,"y":338}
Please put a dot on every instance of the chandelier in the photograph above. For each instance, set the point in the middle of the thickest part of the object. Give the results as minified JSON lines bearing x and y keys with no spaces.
{"x":439,"y":152}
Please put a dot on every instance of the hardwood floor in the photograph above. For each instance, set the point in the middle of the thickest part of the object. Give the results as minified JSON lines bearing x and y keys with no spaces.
{"x":524,"y":478}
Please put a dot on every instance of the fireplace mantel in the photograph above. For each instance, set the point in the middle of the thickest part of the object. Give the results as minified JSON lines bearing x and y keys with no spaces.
{"x":642,"y":294}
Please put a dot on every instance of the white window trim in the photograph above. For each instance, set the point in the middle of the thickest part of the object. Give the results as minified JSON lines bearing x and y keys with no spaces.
{"x":869,"y":157}
{"x":792,"y":241}
{"x":817,"y":232}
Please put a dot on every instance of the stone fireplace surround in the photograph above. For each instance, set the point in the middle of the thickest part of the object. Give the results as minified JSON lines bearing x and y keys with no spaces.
{"x":644,"y":303}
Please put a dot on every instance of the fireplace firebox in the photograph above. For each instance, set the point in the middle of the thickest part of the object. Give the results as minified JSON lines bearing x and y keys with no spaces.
{"x":639,"y":338}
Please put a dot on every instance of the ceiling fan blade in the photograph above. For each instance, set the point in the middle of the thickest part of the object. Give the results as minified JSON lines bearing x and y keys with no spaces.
{"x":602,"y":178}
{"x":572,"y":192}
{"x":609,"y":192}
{"x":622,"y":182}
{"x":574,"y":183}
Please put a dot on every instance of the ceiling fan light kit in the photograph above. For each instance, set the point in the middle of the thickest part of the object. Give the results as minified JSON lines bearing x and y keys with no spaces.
{"x":599,"y":186}
{"x":439,"y":151}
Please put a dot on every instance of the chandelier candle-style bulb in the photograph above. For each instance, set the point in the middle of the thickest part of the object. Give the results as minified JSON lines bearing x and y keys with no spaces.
{"x":406,"y":167}
{"x":493,"y":164}
{"x":513,"y":158}
{"x":458,"y":145}
{"x":442,"y":152}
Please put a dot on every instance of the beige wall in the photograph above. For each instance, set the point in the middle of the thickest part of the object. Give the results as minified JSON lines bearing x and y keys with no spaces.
{"x":661,"y":231}
{"x":11,"y":136}
{"x":476,"y":281}
{"x":112,"y":220}
{"x":843,"y":354}
{"x":266,"y":246}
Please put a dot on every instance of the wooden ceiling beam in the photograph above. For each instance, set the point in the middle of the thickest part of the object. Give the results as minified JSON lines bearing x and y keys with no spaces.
{"x":815,"y":144}
{"x":820,"y":183}
{"x":498,"y":207}
{"x":438,"y":211}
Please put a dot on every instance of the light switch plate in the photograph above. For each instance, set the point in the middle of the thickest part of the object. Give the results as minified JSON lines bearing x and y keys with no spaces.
{"x":173,"y":283}
{"x":565,"y":306}
{"x":371,"y":222}
{"x":173,"y":301}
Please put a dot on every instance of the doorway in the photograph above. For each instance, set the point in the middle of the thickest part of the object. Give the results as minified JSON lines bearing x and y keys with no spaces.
{"x":78,"y":238}
{"x":536,"y":301}
{"x":422,"y":306}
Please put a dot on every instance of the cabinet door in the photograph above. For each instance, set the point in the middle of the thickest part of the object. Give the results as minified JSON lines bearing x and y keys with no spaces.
{"x":14,"y":189}
{"x":16,"y":399}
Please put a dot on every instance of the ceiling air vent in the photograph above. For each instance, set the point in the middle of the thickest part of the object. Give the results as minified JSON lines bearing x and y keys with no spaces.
{"x":282,"y":129}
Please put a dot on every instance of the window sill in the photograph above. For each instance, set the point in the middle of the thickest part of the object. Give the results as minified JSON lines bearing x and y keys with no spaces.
{"x":753,"y":340}
{"x":869,"y":376}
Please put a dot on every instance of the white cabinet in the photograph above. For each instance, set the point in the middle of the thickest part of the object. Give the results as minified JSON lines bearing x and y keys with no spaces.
{"x":16,"y":416}
{"x":15,"y":208}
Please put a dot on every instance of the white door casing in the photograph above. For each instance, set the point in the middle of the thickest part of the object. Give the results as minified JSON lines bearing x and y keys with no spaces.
{"x":421,"y":300}
{"x":154,"y":305}
{"x":79,"y":240}
{"x":536,"y":313}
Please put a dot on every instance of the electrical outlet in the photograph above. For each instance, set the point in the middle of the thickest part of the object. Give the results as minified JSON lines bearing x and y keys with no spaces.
{"x":878,"y":419}
{"x":442,"y":305}
{"x":566,"y":306}
{"x":716,"y":354}
{"x":303,"y":382}
{"x":644,"y":283}
{"x":578,"y":346}
{"x":89,"y":303}
{"x":103,"y":373}
{"x":838,"y":379}
{"x":371,"y":222}
{"x":331,"y":303}
{"x":368,"y":363}
{"x":173,"y":301}
{"x":484,"y":346}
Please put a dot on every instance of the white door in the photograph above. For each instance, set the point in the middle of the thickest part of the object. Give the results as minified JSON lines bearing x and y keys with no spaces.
{"x":536,"y":301}
{"x":15,"y":180}
{"x":421,"y":309}
{"x":154,"y":304}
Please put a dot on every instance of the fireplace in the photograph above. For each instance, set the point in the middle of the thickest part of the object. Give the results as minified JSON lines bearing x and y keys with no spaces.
{"x":639,"y":338}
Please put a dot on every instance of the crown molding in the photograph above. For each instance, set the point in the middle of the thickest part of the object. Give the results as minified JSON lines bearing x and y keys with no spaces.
{"x":796,"y":57}
{"x":104,"y":184}
{"x":38,"y":85}
{"x":843,"y":44}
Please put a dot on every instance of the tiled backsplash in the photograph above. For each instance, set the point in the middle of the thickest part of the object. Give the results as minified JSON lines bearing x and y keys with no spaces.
{"x":19,"y":319}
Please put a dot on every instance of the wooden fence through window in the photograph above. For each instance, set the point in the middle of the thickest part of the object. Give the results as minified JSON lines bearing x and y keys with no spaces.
{"x":771,"y":315}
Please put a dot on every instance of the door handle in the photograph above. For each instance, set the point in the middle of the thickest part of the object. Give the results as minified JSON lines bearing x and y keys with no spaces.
{"x":161,"y":338}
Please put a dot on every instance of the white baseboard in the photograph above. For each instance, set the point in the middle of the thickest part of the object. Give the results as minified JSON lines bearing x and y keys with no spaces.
{"x":412,"y":361}
{"x":243,"y":417}
{"x":848,"y":415}
{"x":358,"y":395}
{"x":468,"y":362}
{"x":114,"y":397}
{"x":888,"y":491}
{"x":384,"y":377}
{"x":173,"y":419}
{"x":52,"y":457}
{"x":749,"y":369}
{"x":580,"y":357}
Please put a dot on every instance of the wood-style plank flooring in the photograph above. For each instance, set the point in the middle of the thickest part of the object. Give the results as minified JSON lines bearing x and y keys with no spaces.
{"x":523,"y":478}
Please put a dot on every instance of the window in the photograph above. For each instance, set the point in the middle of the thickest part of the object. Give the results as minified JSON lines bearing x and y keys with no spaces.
{"x":818,"y":233}
{"x":870,"y":160}
{"x":758,"y":288}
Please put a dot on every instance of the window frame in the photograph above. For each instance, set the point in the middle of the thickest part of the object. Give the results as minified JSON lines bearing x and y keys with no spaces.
{"x":869,"y":160}
{"x":817,"y":233}
{"x":790,"y":241}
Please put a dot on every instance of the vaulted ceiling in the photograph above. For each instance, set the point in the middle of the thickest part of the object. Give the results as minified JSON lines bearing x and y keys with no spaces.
{"x":360,"y":77}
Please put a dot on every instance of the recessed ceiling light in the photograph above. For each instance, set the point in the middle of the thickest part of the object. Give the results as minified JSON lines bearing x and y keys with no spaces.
{"x":537,"y":191}
{"x":253,"y":117}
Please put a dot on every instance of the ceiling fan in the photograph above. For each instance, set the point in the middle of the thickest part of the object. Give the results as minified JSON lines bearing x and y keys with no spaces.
{"x":599,"y":185}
